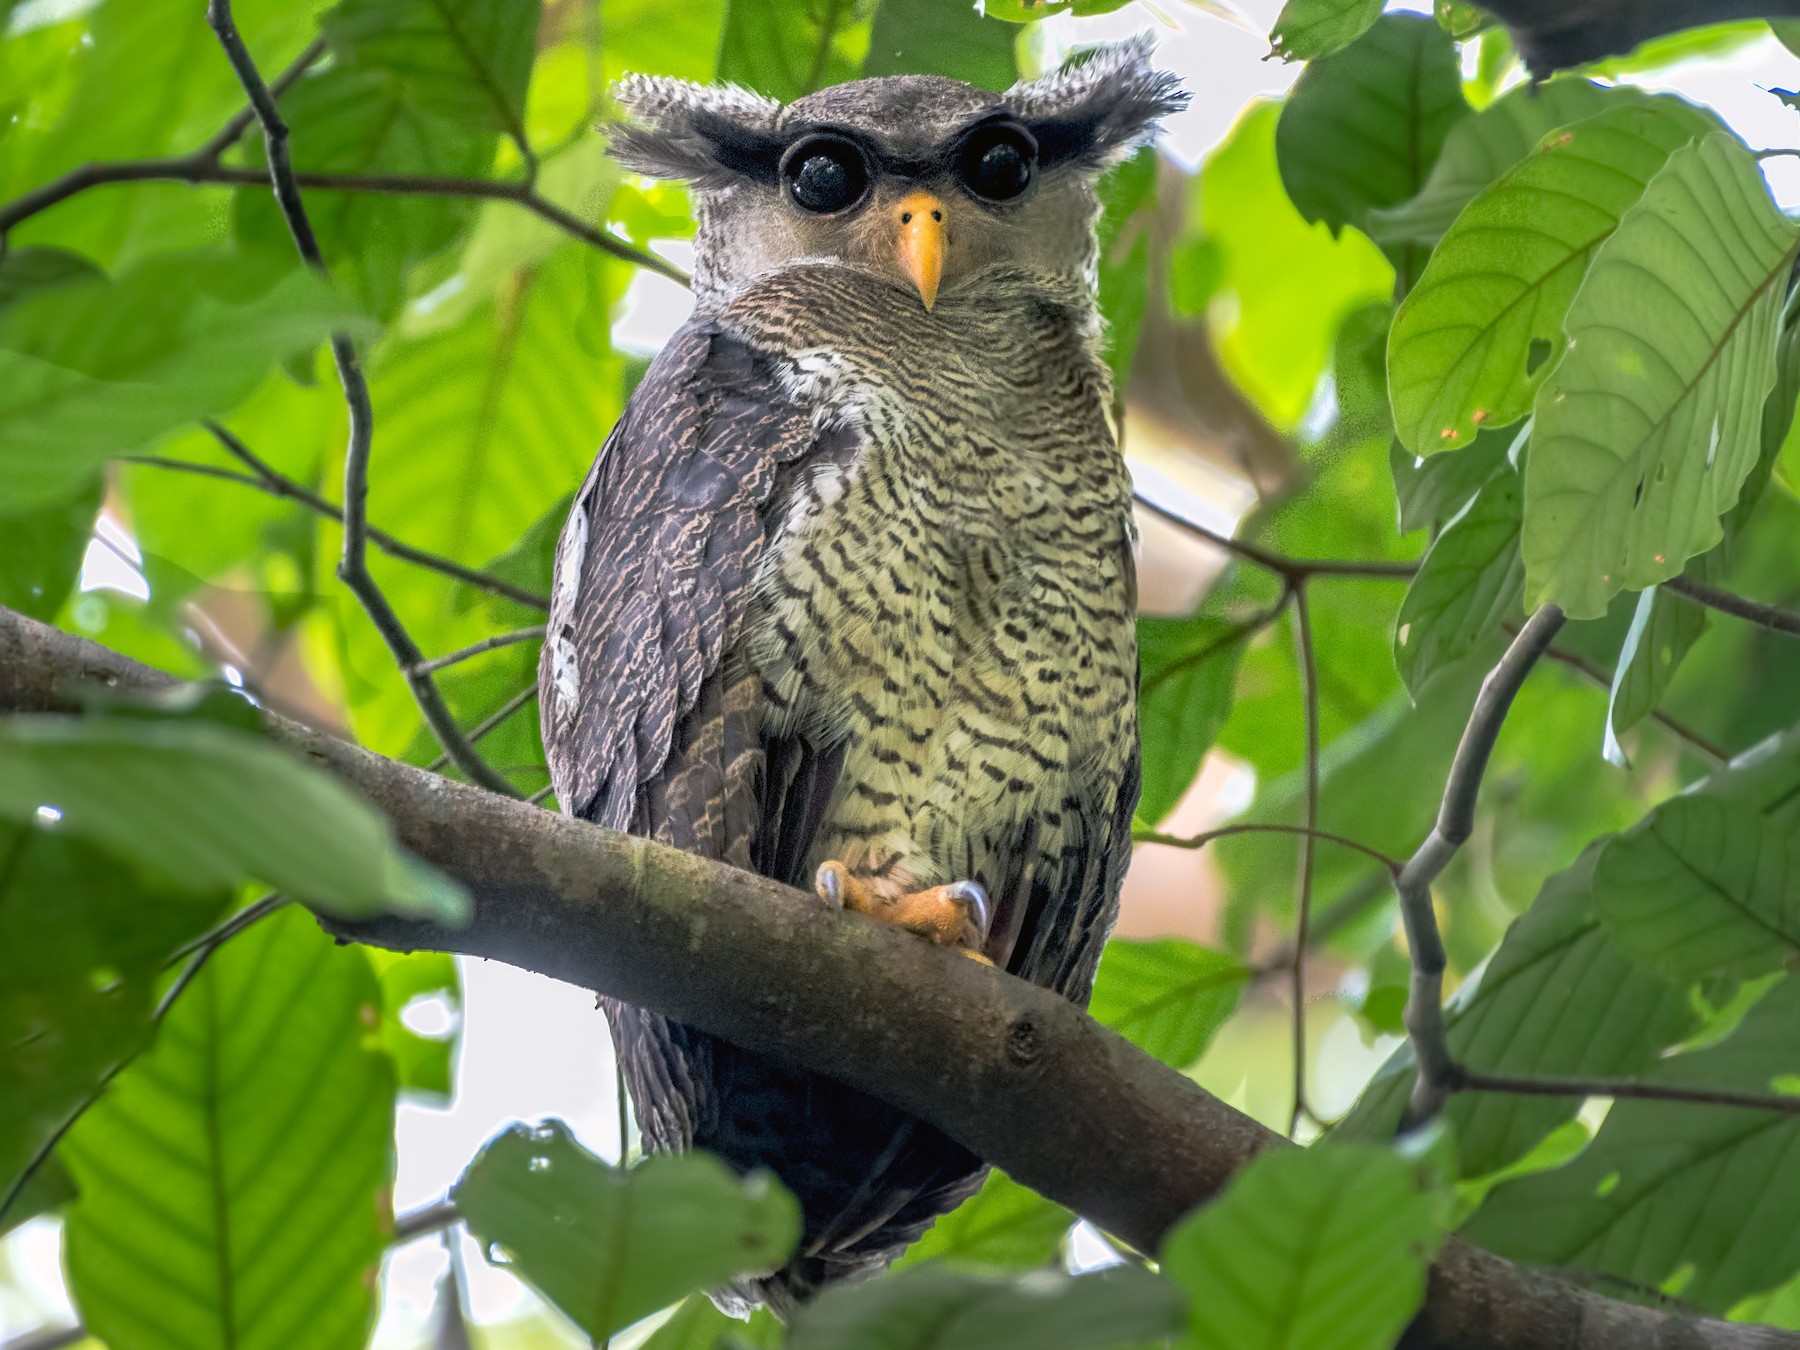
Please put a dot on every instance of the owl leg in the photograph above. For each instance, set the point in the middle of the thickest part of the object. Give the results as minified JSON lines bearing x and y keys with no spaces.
{"x":956,"y":915}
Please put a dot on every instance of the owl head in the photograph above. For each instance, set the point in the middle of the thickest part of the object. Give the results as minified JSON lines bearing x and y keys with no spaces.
{"x":927,"y":182}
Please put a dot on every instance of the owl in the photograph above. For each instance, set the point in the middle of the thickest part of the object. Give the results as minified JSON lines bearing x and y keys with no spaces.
{"x":848,"y":596}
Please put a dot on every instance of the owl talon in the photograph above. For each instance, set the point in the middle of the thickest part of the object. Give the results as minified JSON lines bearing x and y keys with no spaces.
{"x":945,"y":914}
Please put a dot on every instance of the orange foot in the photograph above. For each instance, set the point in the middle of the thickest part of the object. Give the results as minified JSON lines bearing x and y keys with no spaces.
{"x":953,"y":915}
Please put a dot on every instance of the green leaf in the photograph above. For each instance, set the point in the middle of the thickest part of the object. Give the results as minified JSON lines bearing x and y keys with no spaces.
{"x":1663,"y":630}
{"x":1479,"y":149}
{"x":610,"y":1245}
{"x":1167,"y":997}
{"x":1127,"y":196}
{"x":1460,"y":19}
{"x":698,"y":1325}
{"x":1363,"y":126}
{"x":1003,"y":1225}
{"x":96,"y":367}
{"x":1468,"y":585}
{"x":1431,"y":491}
{"x":25,"y":271}
{"x":468,"y":61}
{"x":235,"y":1181}
{"x":423,"y":1062}
{"x":170,"y":795}
{"x":1186,"y":671}
{"x":47,"y":1190}
{"x":1560,"y":997}
{"x":1030,"y":11}
{"x":1652,"y":422}
{"x":1321,"y":1248}
{"x":82,"y":941}
{"x":1702,"y":887}
{"x":961,"y":41}
{"x":1308,"y":29}
{"x":1667,"y":1186}
{"x":1484,"y":325}
{"x":789,"y":50}
{"x":928,"y":1308}
{"x":41,"y":553}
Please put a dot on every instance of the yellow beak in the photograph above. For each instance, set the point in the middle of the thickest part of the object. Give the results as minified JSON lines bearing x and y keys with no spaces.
{"x":921,"y":247}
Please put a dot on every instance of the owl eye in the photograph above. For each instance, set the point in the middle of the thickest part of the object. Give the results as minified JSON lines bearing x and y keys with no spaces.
{"x":997,"y":162}
{"x":826,"y":174}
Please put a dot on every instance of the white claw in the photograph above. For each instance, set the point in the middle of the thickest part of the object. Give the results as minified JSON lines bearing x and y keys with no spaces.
{"x":829,"y":883}
{"x":973,"y":895}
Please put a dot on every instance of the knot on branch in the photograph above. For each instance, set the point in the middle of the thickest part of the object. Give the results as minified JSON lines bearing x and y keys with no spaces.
{"x":1024,"y":1040}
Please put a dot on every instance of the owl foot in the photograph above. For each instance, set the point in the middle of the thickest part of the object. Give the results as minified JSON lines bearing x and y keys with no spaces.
{"x":956,"y":915}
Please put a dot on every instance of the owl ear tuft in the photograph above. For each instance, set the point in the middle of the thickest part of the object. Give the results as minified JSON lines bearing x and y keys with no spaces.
{"x":705,"y":134}
{"x":1096,"y":110}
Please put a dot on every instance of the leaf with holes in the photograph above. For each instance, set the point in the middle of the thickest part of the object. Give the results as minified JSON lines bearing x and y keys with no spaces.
{"x":928,"y":1308}
{"x":1667,"y":1186}
{"x":1363,"y":126}
{"x":1003,"y":1225}
{"x":1652,"y":422}
{"x":1483,"y":327}
{"x":1167,"y":997}
{"x":1468,"y":585}
{"x":1321,"y":1248}
{"x":610,"y":1245}
{"x":170,"y":796}
{"x":1479,"y":149}
{"x":1701,"y":887}
{"x":1308,"y":29}
{"x":83,"y":940}
{"x":235,"y":1180}
{"x":1186,"y":671}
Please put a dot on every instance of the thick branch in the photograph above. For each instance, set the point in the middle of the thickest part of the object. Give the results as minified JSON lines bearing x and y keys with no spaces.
{"x":1016,"y":1073}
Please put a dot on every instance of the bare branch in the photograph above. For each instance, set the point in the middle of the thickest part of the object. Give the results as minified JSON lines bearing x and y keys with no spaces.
{"x":480,"y":730}
{"x":353,"y":568}
{"x":1205,"y":837}
{"x":432,"y":1218}
{"x":1455,"y":822}
{"x":534,"y":633}
{"x":1774,"y":619}
{"x":1292,"y":570}
{"x":1309,"y":689}
{"x":1473,"y":1080}
{"x":1014,"y":1072}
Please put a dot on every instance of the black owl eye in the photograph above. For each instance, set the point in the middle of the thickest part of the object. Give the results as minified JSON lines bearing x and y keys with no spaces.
{"x":826,"y":174}
{"x":997,"y":162}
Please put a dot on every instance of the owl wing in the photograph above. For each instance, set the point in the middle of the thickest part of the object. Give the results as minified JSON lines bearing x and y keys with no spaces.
{"x":647,"y":725}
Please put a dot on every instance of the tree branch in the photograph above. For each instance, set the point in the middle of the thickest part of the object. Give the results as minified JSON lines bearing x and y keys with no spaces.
{"x":353,"y":568}
{"x":1763,"y":616}
{"x":534,"y":633}
{"x":1292,"y":570}
{"x":1455,"y":822}
{"x":1014,"y":1072}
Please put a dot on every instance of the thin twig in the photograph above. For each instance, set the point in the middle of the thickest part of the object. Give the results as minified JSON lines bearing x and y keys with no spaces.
{"x":1205,"y":837}
{"x":1716,"y":755}
{"x":537,"y":798}
{"x":353,"y":568}
{"x":432,"y":1218}
{"x":1455,"y":822}
{"x":231,"y":927}
{"x":480,"y":730}
{"x":532,"y":634}
{"x":1309,"y":688}
{"x":1291,"y":569}
{"x":827,"y":31}
{"x":1771,"y":617}
{"x":1472,"y":1080}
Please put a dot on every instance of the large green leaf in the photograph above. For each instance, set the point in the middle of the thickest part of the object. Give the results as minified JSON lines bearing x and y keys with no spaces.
{"x":1003,"y":1225}
{"x":82,"y":941}
{"x":465,"y":60}
{"x":1187,"y":668}
{"x":97,"y":367}
{"x":928,"y":1308}
{"x":206,"y":806}
{"x":236,"y":1180}
{"x":1652,"y":422}
{"x":1560,"y":997}
{"x":925,"y":36}
{"x":1481,"y":148}
{"x":1667,"y":1186}
{"x":786,"y":50}
{"x":1167,"y":997}
{"x":1482,"y":328}
{"x":1703,"y":886}
{"x":1663,"y":630}
{"x":41,"y":552}
{"x":1431,"y":491}
{"x":1363,"y":126}
{"x":1322,"y":1248}
{"x":609,"y":1245}
{"x":1468,"y":585}
{"x":1308,"y":29}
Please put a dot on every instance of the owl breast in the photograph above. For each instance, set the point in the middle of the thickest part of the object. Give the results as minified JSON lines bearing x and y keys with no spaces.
{"x":950,"y":596}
